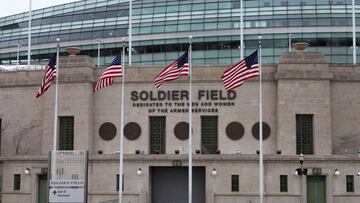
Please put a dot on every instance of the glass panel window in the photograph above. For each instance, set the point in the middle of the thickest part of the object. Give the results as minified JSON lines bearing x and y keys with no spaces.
{"x":234,"y":183}
{"x":209,"y":26}
{"x":209,"y":134}
{"x":170,"y":9}
{"x":223,"y":5}
{"x":283,"y":183}
{"x":211,"y":6}
{"x":157,"y":135}
{"x":66,"y":133}
{"x":160,"y":9}
{"x":349,"y":183}
{"x":170,"y":28}
{"x":17,"y":181}
{"x":183,"y":27}
{"x":304,"y":134}
{"x":197,"y":7}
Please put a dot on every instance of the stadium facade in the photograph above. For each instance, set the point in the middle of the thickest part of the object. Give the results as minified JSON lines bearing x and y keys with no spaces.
{"x":310,"y":103}
{"x":161,"y":29}
{"x":310,"y":107}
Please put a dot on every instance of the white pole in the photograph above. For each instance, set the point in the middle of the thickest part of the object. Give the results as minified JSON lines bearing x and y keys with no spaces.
{"x":261,"y":161}
{"x":353,"y":31}
{"x":241,"y":30}
{"x":121,"y":168}
{"x":53,"y":167}
{"x":130,"y":32}
{"x":18,"y":56}
{"x":29,"y":35}
{"x":190,"y":121}
{"x":98,"y":61}
{"x":290,"y":35}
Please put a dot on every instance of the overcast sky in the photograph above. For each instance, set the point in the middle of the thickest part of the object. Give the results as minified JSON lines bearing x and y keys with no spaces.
{"x":10,"y":7}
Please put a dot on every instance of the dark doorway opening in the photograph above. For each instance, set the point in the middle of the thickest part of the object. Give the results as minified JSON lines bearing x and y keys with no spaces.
{"x":170,"y":184}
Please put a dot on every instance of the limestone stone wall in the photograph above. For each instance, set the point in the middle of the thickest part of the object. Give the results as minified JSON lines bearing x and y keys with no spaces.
{"x":302,"y":83}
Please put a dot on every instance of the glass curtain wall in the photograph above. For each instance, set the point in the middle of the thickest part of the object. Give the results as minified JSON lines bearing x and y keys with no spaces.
{"x":161,"y":28}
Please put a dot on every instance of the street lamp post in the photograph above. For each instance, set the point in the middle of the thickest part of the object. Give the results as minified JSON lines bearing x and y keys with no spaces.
{"x":301,"y":172}
{"x":98,"y":60}
{"x":17,"y":55}
{"x":290,"y":35}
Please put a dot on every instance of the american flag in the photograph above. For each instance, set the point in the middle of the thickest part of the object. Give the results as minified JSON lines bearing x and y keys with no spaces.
{"x":236,"y":75}
{"x":172,"y":72}
{"x":113,"y":71}
{"x":50,"y":75}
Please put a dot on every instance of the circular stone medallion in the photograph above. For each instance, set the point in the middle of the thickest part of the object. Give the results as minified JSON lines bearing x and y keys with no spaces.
{"x":181,"y":130}
{"x":235,"y":130}
{"x":107,"y":131}
{"x":132,"y":131}
{"x":266,"y":131}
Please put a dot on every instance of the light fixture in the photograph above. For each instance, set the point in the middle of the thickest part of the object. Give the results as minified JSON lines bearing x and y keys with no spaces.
{"x":301,"y":158}
{"x":214,"y":172}
{"x":337,"y":172}
{"x":301,"y":171}
{"x":27,"y":171}
{"x":139,"y":172}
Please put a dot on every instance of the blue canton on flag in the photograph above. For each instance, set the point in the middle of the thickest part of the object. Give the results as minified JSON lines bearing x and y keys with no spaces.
{"x":49,"y":77}
{"x":184,"y":59}
{"x":179,"y":67}
{"x":113,"y":71}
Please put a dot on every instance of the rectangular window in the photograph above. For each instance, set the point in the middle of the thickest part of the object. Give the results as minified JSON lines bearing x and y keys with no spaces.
{"x":157,"y":134}
{"x":66,"y":133}
{"x":349,"y":183}
{"x":234,"y":183}
{"x":209,"y":134}
{"x":117,"y":182}
{"x":283,"y":183}
{"x":304,"y":134}
{"x":17,"y":181}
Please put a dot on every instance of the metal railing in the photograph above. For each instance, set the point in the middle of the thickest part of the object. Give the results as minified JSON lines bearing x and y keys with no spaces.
{"x":6,"y":68}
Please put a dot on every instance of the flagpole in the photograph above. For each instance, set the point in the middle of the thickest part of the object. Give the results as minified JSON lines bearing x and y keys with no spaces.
{"x":354,"y":31}
{"x":261,"y":161}
{"x":98,"y":57}
{"x":130,"y":32}
{"x":121,"y":167}
{"x":241,"y":30}
{"x":289,"y":36}
{"x":56,"y":109}
{"x":190,"y":120}
{"x":29,"y":35}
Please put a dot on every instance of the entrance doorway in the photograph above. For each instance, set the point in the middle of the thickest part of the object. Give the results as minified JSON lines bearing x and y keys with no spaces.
{"x":42,"y":189}
{"x":170,"y":184}
{"x":316,"y":189}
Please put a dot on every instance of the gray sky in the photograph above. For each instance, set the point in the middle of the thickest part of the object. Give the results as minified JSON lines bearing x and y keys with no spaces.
{"x":10,"y":7}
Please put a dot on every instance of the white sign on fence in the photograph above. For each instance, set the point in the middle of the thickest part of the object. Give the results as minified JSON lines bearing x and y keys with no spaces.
{"x":66,"y":195}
